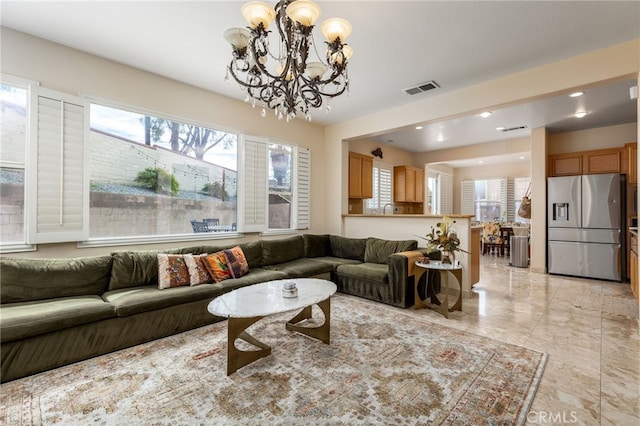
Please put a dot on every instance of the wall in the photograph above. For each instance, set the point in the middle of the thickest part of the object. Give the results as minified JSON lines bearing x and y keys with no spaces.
{"x":586,"y":140}
{"x":390,"y":155}
{"x":68,"y":70}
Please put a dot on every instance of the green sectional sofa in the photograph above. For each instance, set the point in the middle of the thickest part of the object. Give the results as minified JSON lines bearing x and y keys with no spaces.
{"x":55,"y":312}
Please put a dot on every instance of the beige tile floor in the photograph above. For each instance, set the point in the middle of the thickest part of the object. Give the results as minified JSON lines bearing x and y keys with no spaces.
{"x":589,"y":328}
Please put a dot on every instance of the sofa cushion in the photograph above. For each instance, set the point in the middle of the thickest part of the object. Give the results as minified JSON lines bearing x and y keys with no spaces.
{"x":26,"y":319}
{"x":301,"y":268}
{"x":172,"y":271}
{"x":136,"y":268}
{"x":236,"y":261}
{"x":348,"y":248}
{"x":378,"y":250}
{"x":336,"y":261}
{"x":216,"y":264}
{"x":282,"y":250}
{"x":135,"y":300}
{"x":317,"y":245}
{"x":198,"y":273}
{"x":366,"y":271}
{"x":23,"y":280}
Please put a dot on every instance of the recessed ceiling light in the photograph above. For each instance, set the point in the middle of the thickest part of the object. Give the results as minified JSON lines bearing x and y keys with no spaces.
{"x":419,"y":127}
{"x":480,"y":161}
{"x":485,"y":114}
{"x":576,"y":94}
{"x":580,"y":114}
{"x":440,"y":138}
{"x":522,"y":158}
{"x":500,"y":128}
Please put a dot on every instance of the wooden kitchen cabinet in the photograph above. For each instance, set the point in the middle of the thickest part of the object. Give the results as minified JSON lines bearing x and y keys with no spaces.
{"x":360,"y":175}
{"x":632,"y":162}
{"x":587,"y":162}
{"x":408,"y":184}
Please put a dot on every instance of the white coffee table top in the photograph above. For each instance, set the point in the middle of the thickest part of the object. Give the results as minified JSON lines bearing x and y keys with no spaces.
{"x":266,"y":298}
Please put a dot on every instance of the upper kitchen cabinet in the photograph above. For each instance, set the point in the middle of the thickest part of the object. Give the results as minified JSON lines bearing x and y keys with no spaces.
{"x":632,"y":162}
{"x":408,"y":184}
{"x":586,"y":162}
{"x":360,"y":175}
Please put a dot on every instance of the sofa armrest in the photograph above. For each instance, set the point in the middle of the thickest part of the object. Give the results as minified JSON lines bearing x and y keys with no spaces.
{"x":401,"y":275}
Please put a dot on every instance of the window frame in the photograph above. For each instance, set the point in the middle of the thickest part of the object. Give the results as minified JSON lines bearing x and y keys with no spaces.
{"x":125,"y":241}
{"x":31,"y":88}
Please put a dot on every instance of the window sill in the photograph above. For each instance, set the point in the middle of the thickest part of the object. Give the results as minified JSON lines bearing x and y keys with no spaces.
{"x":111,"y":242}
{"x":279,"y":232}
{"x":17,"y":248}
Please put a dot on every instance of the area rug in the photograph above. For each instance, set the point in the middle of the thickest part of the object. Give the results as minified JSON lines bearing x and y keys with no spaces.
{"x":383,"y":366}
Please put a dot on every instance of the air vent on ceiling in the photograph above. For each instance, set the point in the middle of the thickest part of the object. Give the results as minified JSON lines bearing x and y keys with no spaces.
{"x":423,"y":87}
{"x":511,"y":129}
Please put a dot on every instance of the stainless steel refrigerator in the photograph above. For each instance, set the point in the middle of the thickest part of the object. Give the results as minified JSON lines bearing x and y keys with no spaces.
{"x":585,"y":219}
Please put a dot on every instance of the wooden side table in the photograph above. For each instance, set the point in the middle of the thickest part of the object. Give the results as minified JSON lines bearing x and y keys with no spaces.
{"x":440,"y":306}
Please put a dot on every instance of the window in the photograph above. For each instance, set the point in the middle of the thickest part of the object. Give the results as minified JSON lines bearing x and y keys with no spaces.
{"x":14,"y":117}
{"x":382,"y":188}
{"x":280,"y":186}
{"x":276,"y":182}
{"x":487,"y":200}
{"x":154,"y":177}
{"x":493,"y":199}
{"x":440,"y":192}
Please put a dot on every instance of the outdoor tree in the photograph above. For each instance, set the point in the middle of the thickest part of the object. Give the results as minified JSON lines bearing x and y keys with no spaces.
{"x":184,"y":138}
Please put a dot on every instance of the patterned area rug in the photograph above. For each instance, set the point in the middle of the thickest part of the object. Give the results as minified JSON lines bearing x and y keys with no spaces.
{"x":383,"y":366}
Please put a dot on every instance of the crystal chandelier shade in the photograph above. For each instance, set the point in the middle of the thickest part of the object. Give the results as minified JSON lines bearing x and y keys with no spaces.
{"x":286,"y":80}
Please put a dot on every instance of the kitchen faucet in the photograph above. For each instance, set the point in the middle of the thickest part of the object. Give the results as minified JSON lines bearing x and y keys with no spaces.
{"x":384,"y":209}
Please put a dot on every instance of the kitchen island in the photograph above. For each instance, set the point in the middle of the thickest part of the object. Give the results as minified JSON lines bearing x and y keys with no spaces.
{"x":416,"y":227}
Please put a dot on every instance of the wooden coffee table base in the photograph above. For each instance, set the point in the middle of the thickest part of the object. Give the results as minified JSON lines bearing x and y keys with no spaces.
{"x":237,"y":358}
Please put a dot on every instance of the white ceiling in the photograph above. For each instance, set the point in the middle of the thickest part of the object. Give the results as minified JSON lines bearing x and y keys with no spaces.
{"x":397,"y":44}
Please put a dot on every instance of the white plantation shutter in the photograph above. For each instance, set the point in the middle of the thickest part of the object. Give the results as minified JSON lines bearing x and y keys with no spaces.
{"x":385,"y":185}
{"x":255,"y":185}
{"x":57,"y":170}
{"x":507,"y":205}
{"x":445,"y":183}
{"x":382,"y":187}
{"x":303,"y":194}
{"x":467,"y":201}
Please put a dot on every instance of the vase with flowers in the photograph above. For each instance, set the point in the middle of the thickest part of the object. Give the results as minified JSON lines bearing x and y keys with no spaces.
{"x":443,"y":237}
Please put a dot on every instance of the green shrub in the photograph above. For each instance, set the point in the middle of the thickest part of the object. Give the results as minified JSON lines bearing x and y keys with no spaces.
{"x":159,"y":180}
{"x":215,"y":189}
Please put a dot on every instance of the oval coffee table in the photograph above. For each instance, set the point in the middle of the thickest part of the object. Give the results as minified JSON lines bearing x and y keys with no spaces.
{"x":247,"y":305}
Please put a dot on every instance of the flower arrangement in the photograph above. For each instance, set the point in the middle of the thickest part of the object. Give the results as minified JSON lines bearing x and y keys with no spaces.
{"x":443,"y":237}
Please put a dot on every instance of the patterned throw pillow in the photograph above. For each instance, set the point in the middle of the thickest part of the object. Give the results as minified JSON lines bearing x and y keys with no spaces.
{"x":198,"y":273}
{"x":236,"y":262}
{"x":172,"y":271}
{"x":216,"y":264}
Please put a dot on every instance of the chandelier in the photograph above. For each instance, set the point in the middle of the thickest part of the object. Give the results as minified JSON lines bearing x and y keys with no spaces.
{"x":290,"y":84}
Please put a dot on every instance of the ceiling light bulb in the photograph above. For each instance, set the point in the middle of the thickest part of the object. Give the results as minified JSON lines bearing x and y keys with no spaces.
{"x":440,"y":138}
{"x":336,"y":27}
{"x":500,"y":128}
{"x":419,"y":127}
{"x":580,"y":114}
{"x":258,"y":12}
{"x":485,"y":114}
{"x":303,"y":12}
{"x":576,"y":94}
{"x":480,"y":161}
{"x":522,"y":158}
